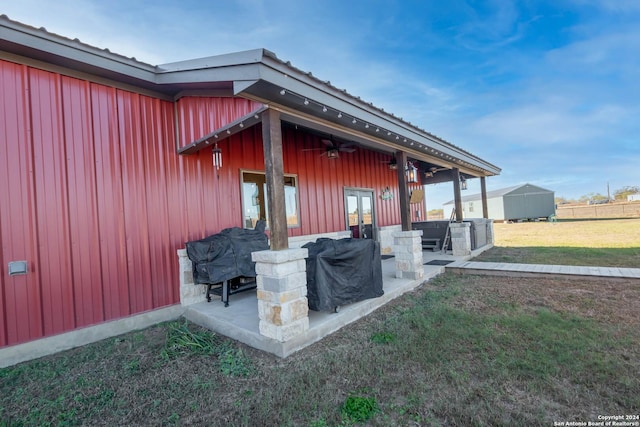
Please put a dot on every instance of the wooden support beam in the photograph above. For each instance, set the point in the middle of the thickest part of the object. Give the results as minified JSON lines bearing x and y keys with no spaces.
{"x":403,"y":190}
{"x":456,"y":193}
{"x":274,"y":171}
{"x":483,"y":192}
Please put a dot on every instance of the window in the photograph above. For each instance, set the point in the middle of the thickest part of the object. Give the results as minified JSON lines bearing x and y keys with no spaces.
{"x":254,"y":199}
{"x":470,"y":206}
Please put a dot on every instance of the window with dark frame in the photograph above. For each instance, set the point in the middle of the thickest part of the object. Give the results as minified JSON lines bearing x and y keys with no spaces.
{"x":254,"y":199}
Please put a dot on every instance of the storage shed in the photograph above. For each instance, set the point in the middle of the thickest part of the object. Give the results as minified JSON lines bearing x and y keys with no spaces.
{"x":520,"y":202}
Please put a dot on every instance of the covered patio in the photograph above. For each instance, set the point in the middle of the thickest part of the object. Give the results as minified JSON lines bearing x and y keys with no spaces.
{"x":144,"y":158}
{"x":240,"y":319}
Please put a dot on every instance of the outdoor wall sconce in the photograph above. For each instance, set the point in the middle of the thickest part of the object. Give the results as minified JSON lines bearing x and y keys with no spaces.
{"x":217,"y":156}
{"x":412,"y":173}
{"x":463,"y":183}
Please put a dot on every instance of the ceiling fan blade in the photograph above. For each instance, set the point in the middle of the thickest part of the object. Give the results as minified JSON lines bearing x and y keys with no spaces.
{"x":327,"y":142}
{"x":313,"y":149}
{"x":346,"y":150}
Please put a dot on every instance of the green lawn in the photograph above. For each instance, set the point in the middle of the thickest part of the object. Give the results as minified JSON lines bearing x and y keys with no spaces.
{"x":460,"y":350}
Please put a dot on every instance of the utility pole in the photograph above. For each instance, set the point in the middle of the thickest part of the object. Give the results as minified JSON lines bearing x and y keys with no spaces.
{"x":608,"y":193}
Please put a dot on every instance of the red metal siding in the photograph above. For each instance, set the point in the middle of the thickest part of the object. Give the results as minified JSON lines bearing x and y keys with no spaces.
{"x":95,"y":198}
{"x":198,"y":116}
{"x":322,"y":182}
{"x":20,"y":295}
{"x":83,"y":215}
{"x":52,"y":202}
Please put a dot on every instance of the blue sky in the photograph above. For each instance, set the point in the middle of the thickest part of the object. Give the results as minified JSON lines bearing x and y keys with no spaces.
{"x":547,"y":90}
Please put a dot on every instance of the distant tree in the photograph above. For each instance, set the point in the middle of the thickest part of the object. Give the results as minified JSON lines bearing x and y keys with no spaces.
{"x":622,"y":193}
{"x":435,"y":214}
{"x":561,"y":200}
{"x":596,"y":196}
{"x":593,"y":198}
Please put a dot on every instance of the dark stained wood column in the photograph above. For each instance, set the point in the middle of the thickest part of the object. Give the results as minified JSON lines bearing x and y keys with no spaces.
{"x":403,"y":196}
{"x":274,"y":170}
{"x":456,"y":193}
{"x":483,"y":192}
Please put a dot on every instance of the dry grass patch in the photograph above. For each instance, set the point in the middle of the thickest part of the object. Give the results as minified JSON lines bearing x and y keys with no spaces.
{"x":619,"y":233}
{"x":606,"y":243}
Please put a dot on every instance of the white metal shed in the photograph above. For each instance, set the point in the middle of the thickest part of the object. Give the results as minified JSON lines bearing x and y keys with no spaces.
{"x":520,"y":202}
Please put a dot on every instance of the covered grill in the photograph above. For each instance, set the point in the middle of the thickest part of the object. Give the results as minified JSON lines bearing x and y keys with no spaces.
{"x":341,"y":272}
{"x":223,"y":260}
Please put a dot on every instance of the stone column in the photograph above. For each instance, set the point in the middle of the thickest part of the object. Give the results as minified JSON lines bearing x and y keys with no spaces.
{"x":460,"y":238}
{"x":283,"y":308}
{"x":408,"y":253}
{"x":190,"y":293}
{"x":490,"y":238}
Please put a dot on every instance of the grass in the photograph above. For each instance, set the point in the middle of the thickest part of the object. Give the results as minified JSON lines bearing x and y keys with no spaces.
{"x":461,"y":350}
{"x":607,"y":243}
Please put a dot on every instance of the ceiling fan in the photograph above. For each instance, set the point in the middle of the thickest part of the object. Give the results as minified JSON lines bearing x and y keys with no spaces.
{"x":432,"y":171}
{"x":333,"y":149}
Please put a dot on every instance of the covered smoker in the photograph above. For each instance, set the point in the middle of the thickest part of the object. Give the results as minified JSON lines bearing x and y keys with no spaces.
{"x":341,"y":272}
{"x":226,"y":256}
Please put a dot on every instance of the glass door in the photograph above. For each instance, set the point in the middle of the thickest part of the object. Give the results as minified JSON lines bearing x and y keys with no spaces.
{"x":360,"y":213}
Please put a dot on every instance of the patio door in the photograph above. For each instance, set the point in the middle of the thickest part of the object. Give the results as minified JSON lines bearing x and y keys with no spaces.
{"x":360,"y":213}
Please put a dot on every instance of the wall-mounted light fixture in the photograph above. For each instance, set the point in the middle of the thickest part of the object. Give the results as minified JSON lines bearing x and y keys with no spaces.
{"x":463,"y":183}
{"x":412,"y":173}
{"x":217,"y":156}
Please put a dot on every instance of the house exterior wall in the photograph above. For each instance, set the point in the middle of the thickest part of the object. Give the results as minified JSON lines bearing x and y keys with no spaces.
{"x":94,"y":197}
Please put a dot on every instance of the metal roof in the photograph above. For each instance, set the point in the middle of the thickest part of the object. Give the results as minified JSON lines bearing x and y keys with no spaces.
{"x":258,"y":74}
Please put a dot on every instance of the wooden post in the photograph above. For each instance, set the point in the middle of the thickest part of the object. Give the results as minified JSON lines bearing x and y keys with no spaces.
{"x":456,"y":193}
{"x":483,"y":192}
{"x":403,"y":190}
{"x":274,"y":171}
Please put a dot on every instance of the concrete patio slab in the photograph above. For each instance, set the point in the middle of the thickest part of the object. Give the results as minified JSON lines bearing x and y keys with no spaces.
{"x":240,"y":319}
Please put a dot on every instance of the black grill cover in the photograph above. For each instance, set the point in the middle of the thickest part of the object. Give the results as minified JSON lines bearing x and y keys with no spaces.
{"x":341,"y":272}
{"x":226,"y":255}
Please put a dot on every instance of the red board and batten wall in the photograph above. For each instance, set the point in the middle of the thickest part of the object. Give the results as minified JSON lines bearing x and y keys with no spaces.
{"x":95,"y":198}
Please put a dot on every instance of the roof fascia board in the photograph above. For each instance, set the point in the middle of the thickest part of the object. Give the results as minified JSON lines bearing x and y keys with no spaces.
{"x":73,"y":50}
{"x":226,"y":60}
{"x":217,"y":93}
{"x":224,"y":74}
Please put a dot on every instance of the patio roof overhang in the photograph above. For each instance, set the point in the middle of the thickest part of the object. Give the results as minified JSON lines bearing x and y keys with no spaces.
{"x":300,"y":98}
{"x":304,"y":101}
